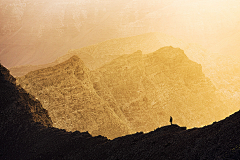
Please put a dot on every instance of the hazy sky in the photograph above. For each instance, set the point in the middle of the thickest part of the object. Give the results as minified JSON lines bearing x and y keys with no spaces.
{"x":32,"y":28}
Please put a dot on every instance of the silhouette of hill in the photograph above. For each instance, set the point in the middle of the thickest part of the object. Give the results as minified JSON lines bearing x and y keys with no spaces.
{"x":98,"y":54}
{"x":132,"y":93}
{"x":17,"y":105}
{"x":217,"y":141}
{"x":22,"y":137}
{"x":94,"y":56}
{"x":26,"y":130}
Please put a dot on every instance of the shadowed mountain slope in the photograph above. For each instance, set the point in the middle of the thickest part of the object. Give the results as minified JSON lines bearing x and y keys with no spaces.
{"x":26,"y":130}
{"x":17,"y":104}
{"x":132,"y":93}
{"x":31,"y":140}
{"x":66,"y":91}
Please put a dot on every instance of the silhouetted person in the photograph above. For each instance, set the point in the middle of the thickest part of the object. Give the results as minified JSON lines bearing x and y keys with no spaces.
{"x":171,"y":120}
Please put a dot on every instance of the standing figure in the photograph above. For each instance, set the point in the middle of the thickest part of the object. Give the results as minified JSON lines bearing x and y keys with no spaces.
{"x":171,"y":120}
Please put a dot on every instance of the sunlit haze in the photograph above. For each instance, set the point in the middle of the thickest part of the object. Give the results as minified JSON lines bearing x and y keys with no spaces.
{"x":37,"y":32}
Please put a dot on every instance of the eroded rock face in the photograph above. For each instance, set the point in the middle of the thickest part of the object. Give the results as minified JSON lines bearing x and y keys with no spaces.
{"x":150,"y":88}
{"x":132,"y":93}
{"x":26,"y":130}
{"x":22,"y":137}
{"x":66,"y":91}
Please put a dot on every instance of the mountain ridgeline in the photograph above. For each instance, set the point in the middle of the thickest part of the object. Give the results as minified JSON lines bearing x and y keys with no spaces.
{"x":94,"y":56}
{"x":26,"y":132}
{"x":67,"y":92}
{"x":223,"y":70}
{"x":132,"y":93}
{"x":149,"y":88}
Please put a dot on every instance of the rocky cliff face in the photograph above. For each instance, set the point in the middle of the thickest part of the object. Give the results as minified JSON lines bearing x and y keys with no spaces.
{"x":220,"y":68}
{"x":149,"y":88}
{"x":21,"y":137}
{"x":132,"y":93}
{"x":66,"y":91}
{"x":26,"y":130}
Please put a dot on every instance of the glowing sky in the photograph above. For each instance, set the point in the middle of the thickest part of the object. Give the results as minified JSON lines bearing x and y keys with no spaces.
{"x":37,"y":32}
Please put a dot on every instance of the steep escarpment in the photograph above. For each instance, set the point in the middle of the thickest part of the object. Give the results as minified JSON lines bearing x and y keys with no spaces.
{"x":26,"y":130}
{"x":66,"y":91}
{"x":132,"y":93}
{"x":149,"y":88}
{"x":23,"y":138}
{"x":221,"y":69}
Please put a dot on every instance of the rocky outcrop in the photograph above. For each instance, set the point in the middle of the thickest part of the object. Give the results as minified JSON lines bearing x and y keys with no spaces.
{"x":22,"y":136}
{"x":132,"y":93}
{"x":26,"y":130}
{"x":149,"y":88}
{"x":66,"y":91}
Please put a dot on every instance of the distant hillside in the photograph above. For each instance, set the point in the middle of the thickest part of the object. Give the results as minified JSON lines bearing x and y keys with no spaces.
{"x":94,"y":56}
{"x":132,"y":93}
{"x":222,"y":69}
{"x":66,"y":91}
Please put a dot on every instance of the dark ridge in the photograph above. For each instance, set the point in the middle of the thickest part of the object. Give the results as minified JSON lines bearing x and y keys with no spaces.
{"x":17,"y":106}
{"x":26,"y":133}
{"x":26,"y":130}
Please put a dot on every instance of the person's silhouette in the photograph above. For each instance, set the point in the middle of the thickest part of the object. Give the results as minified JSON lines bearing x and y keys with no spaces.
{"x":171,"y":120}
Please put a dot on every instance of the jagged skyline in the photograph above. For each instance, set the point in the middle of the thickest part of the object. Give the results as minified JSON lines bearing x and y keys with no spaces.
{"x":132,"y":93}
{"x":26,"y":133}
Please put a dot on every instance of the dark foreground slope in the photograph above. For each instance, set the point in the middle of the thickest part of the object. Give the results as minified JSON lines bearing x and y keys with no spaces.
{"x":26,"y":133}
{"x":68,"y":94}
{"x":217,"y":141}
{"x":26,"y":130}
